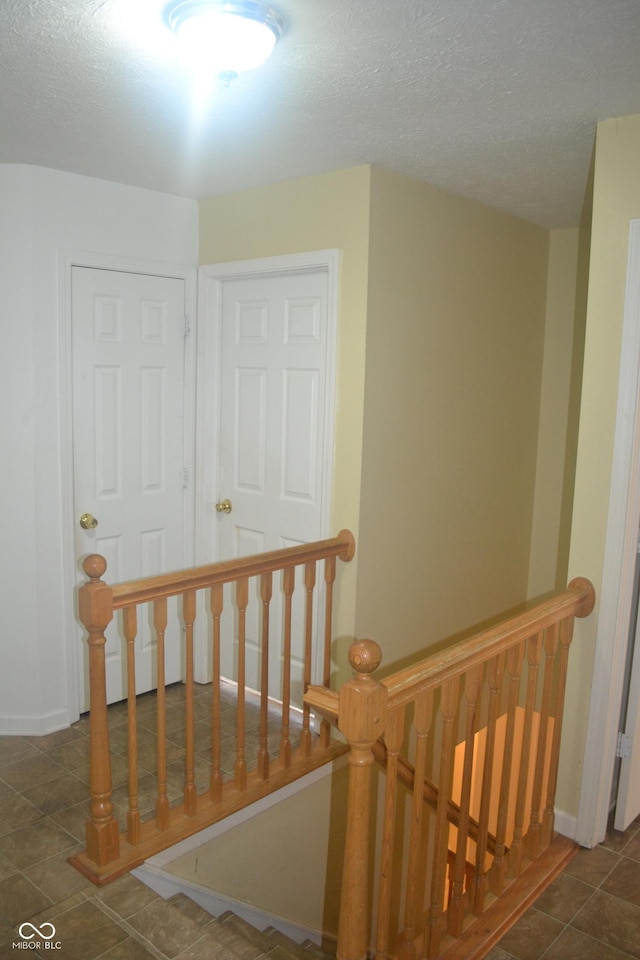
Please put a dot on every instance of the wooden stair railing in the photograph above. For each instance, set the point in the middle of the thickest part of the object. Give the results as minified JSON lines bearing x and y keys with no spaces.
{"x":471,"y":745}
{"x":406,"y":776}
{"x":110,"y":852}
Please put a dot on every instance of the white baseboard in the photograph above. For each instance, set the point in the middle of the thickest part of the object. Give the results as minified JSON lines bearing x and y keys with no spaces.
{"x":33,"y":726}
{"x":566,"y":824}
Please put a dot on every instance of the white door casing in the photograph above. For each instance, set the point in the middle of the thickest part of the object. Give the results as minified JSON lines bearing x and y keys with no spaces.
{"x":271,"y":327}
{"x":616,"y":594}
{"x":628,"y":795}
{"x":129,"y":451}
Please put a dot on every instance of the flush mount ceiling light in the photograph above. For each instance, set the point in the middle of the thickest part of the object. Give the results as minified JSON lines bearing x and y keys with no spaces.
{"x":231,"y":37}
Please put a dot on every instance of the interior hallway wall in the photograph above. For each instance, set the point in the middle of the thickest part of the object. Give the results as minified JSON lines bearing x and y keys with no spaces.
{"x":553,"y":498}
{"x":45,"y":213}
{"x":455,"y":338}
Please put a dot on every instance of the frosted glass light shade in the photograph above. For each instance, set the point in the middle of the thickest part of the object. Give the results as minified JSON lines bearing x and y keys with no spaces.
{"x":232,"y":37}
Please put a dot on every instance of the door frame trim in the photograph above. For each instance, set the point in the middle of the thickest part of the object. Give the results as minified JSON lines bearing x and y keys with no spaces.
{"x":210,"y":280}
{"x":616,"y":594}
{"x":67,"y":259}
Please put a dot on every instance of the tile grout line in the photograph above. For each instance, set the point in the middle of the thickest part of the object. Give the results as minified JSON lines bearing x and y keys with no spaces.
{"x":566,"y":925}
{"x":131,"y":931}
{"x":570,"y":924}
{"x":619,"y":857}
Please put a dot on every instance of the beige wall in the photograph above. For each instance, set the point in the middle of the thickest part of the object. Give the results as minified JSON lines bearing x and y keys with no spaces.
{"x":313,"y":213}
{"x":451,"y":298}
{"x":247,"y":863}
{"x":616,"y":200}
{"x":547,"y":568}
{"x":437,"y":446}
{"x":455,"y":332}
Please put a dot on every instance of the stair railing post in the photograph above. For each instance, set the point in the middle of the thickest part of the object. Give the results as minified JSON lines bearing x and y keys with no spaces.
{"x":95,"y":608}
{"x":361,"y":718}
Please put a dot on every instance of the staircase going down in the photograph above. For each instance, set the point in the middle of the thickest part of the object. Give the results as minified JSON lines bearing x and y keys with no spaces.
{"x":180,"y":929}
{"x":127,"y":920}
{"x":229,"y":937}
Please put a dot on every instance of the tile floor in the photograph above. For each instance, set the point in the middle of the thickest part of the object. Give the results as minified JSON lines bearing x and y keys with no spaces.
{"x":591,"y":912}
{"x":44,"y":784}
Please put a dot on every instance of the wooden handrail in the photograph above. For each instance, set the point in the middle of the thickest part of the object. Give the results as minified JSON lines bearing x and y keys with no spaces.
{"x":323,"y":701}
{"x":576,"y":601}
{"x":480,"y":708}
{"x":227,"y":571}
{"x":109,"y":852}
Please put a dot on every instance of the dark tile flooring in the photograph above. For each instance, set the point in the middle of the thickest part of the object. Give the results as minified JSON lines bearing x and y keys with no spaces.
{"x":591,"y":912}
{"x":44,"y":786}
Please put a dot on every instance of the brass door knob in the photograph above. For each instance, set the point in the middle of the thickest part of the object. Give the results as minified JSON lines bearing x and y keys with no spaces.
{"x":88,"y":521}
{"x":224,"y":506}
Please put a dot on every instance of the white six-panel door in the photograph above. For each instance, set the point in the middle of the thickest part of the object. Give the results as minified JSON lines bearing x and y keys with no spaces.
{"x":276,"y":378}
{"x":128,"y":442}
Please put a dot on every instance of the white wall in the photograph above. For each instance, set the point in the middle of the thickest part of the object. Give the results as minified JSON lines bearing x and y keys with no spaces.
{"x":46,"y":213}
{"x":19,"y":681}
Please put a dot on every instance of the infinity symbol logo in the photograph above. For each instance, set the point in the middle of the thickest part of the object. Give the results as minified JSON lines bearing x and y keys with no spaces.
{"x":37,"y":932}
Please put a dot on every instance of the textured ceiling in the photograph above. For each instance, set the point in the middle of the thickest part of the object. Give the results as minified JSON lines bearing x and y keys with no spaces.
{"x":493,"y":99}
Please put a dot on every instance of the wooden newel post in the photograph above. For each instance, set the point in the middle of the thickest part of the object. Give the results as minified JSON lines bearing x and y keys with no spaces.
{"x":95,"y":607}
{"x":361,"y":718}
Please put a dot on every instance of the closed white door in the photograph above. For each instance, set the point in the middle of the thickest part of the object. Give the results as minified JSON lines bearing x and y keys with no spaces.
{"x":275,"y":385}
{"x":128,"y":445}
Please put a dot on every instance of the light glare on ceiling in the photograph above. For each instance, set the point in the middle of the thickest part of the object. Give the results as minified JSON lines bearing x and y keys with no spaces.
{"x":230,"y":37}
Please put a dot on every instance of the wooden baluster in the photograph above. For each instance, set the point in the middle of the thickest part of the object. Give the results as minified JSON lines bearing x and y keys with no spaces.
{"x":451,"y":862}
{"x":309,"y":583}
{"x":163,"y":811}
{"x":469,"y":874}
{"x":499,"y":866}
{"x":266,"y":591}
{"x":393,"y":741}
{"x":190,"y":793}
{"x":215,"y":781}
{"x":413,"y":900}
{"x":130,"y":627}
{"x":288,"y":584}
{"x":95,"y":608}
{"x":516,"y":851}
{"x":457,"y":903}
{"x":448,"y":710}
{"x":329,"y":580}
{"x":242,"y":600}
{"x":533,"y":839}
{"x":494,"y":680}
{"x":361,"y":718}
{"x":566,"y":634}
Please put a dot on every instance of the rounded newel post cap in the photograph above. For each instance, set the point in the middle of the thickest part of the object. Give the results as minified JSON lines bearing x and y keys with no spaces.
{"x":365,"y":656}
{"x":94,"y":566}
